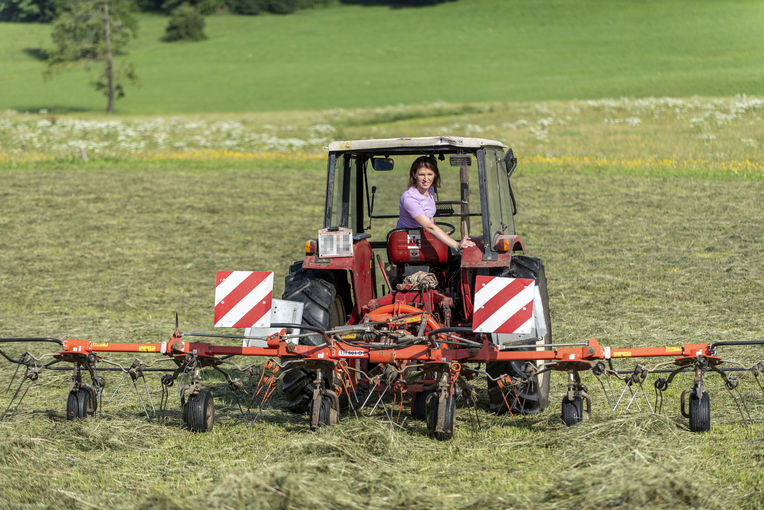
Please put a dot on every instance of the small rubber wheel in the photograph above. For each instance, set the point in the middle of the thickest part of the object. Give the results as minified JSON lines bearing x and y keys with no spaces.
{"x":572,"y":410}
{"x":200,"y":411}
{"x":328,"y":413}
{"x":440,"y":410}
{"x":419,"y":404}
{"x":700,"y":413}
{"x":73,"y":406}
{"x":88,"y":402}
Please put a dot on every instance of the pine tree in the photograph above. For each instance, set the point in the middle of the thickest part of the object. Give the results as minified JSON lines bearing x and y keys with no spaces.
{"x":93,"y":32}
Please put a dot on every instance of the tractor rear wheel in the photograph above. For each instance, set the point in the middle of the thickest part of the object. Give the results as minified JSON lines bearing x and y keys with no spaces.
{"x":533,"y":396}
{"x":324,"y":308}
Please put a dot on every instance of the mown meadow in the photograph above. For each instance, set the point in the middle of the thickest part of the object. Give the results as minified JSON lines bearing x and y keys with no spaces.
{"x":643,"y":200}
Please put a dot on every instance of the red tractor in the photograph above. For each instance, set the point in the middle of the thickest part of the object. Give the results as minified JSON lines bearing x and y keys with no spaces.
{"x":360,"y":268}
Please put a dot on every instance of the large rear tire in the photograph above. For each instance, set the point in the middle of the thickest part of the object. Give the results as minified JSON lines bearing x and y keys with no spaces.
{"x":533,"y":396}
{"x":323,"y":307}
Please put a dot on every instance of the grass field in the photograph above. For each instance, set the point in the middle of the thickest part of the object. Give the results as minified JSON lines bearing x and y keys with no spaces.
{"x":350,"y":56}
{"x":637,"y":254}
{"x":646,"y":209}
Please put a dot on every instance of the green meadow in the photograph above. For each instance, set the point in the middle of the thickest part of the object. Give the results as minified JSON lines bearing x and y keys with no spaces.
{"x":351,"y":56}
{"x":638,"y":129}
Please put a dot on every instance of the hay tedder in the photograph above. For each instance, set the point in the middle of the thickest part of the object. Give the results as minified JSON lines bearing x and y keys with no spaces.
{"x":422,"y":327}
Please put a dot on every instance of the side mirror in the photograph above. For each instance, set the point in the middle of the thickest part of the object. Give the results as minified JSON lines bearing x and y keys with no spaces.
{"x":382,"y":164}
{"x":510,"y":161}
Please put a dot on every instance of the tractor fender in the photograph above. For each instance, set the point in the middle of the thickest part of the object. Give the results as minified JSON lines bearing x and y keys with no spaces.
{"x":473,"y":257}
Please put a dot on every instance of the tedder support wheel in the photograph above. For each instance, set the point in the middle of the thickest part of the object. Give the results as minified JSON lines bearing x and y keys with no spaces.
{"x":73,"y":406}
{"x":572,"y":410}
{"x":533,"y":396}
{"x":323,"y":307}
{"x":440,"y":415}
{"x":200,"y":411}
{"x":328,"y":412}
{"x":88,"y":399}
{"x":81,"y":403}
{"x":700,"y":413}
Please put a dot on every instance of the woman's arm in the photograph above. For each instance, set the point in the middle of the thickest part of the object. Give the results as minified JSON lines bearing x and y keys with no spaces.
{"x":440,"y":234}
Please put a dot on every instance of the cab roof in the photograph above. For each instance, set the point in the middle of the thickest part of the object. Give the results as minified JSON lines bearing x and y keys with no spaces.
{"x":424,"y":143}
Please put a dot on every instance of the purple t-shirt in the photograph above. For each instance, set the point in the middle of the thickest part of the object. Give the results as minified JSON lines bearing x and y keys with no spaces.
{"x":414,"y":204}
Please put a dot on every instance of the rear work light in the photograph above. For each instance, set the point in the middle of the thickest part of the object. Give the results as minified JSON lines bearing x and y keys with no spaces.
{"x":503,"y":245}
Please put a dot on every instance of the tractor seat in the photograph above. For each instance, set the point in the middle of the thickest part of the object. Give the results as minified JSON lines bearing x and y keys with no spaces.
{"x":414,"y":246}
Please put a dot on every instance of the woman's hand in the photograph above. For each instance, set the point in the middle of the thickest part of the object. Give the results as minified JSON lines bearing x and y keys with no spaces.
{"x":465,"y":243}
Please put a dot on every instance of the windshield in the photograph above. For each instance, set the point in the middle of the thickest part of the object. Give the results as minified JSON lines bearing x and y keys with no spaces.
{"x":500,"y":218}
{"x":367,"y":200}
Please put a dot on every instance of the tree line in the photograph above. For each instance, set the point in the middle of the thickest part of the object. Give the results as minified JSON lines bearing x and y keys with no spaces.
{"x":45,"y":11}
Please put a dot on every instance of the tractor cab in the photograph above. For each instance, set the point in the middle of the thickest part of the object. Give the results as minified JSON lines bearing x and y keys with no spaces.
{"x":365,"y":180}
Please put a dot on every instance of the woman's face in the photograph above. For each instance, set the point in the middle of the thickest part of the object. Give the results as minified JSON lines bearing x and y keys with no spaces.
{"x":424,"y":177}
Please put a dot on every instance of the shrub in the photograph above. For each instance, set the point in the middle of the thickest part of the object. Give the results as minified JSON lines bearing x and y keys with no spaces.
{"x":250,"y":7}
{"x":186,"y":24}
{"x":283,"y":6}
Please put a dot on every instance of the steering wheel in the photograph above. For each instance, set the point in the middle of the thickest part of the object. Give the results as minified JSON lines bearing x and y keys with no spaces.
{"x":450,"y":229}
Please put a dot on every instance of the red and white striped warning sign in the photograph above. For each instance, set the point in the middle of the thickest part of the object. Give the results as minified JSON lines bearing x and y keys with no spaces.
{"x":243,"y":299}
{"x":504,"y":305}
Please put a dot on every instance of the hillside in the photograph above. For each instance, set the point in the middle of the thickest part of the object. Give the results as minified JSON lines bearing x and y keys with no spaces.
{"x":352,"y":56}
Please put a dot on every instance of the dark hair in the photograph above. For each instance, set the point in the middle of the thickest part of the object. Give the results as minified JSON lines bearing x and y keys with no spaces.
{"x":427,"y":162}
